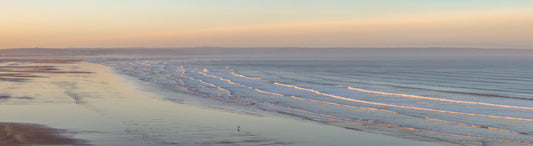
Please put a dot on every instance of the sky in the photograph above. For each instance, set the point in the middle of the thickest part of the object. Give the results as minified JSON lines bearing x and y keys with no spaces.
{"x":266,"y":23}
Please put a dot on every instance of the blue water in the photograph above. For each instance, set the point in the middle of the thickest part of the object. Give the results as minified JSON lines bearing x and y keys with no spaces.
{"x":458,"y":100}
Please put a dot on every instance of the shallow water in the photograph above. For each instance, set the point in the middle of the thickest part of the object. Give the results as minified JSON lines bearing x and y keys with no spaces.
{"x":456,"y":100}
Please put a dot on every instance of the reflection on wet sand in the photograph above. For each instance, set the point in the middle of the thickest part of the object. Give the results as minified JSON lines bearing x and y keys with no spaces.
{"x":2,"y":60}
{"x":18,"y":70}
{"x":22,"y":70}
{"x":10,"y":97}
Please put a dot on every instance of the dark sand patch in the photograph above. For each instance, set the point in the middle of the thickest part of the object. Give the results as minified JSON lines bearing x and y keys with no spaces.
{"x":15,"y":72}
{"x":52,"y":72}
{"x":40,"y":60}
{"x":10,"y":68}
{"x":17,"y":75}
{"x":12,"y":79}
{"x":31,"y":134}
{"x":10,"y":97}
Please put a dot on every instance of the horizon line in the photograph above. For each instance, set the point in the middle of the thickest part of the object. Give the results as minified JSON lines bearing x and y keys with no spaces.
{"x":213,"y":47}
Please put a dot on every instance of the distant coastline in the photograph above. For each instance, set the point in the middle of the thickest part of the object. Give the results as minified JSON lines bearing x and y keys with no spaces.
{"x":267,"y":51}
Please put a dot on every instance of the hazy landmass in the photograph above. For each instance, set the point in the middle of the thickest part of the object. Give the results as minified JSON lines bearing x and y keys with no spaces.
{"x":264,"y":52}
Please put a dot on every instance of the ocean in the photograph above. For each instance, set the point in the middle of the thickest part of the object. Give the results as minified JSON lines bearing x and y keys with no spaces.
{"x":460,"y":100}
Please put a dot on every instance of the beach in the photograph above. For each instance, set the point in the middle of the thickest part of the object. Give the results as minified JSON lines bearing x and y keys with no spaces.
{"x":95,"y":104}
{"x":264,"y":72}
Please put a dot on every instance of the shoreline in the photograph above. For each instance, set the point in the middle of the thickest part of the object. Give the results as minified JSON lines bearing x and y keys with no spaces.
{"x":108,"y":108}
{"x":362,"y":136}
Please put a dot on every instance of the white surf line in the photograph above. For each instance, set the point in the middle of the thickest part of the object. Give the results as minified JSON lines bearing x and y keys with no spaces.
{"x":363,"y":122}
{"x":382,"y":125}
{"x":172,"y":78}
{"x":317,"y":115}
{"x":229,"y":93}
{"x":399,"y":106}
{"x":378,"y":124}
{"x":438,"y":99}
{"x":243,"y":76}
{"x":220,"y":78}
{"x":382,"y":110}
{"x":298,"y":98}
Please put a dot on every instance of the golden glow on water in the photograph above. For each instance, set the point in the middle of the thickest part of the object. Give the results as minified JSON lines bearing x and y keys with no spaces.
{"x":399,"y":106}
{"x":438,"y":99}
{"x":242,"y":76}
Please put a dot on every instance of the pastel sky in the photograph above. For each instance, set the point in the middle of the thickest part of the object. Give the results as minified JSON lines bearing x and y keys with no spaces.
{"x":266,"y":23}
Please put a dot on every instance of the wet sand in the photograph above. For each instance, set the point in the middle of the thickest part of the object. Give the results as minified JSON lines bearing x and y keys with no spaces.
{"x":24,"y":134}
{"x":11,"y":70}
{"x":17,"y":70}
{"x":94,"y":103}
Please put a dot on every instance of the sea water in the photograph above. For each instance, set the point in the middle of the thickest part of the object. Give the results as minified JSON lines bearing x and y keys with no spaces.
{"x":459,"y":100}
